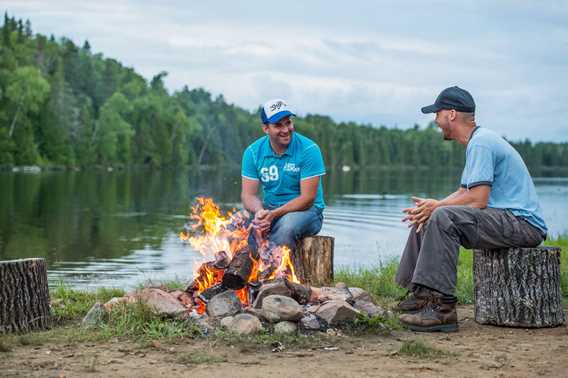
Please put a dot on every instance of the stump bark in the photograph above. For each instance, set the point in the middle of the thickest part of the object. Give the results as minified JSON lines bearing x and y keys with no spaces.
{"x":518,"y":287}
{"x":313,"y":260}
{"x":24,"y":295}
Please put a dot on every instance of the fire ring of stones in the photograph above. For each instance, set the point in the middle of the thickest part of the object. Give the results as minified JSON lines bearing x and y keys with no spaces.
{"x":279,"y":305}
{"x":245,"y":289}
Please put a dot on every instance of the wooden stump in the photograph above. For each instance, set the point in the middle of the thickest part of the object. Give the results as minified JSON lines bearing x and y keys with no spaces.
{"x":313,"y":260}
{"x":518,"y":287}
{"x":24,"y":295}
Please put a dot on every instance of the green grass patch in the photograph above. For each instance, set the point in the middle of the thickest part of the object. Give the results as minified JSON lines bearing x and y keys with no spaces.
{"x":137,"y":321}
{"x":175,"y":284}
{"x":70,"y":304}
{"x":562,"y":242}
{"x":368,"y":325}
{"x":4,"y":346}
{"x":464,"y":286}
{"x":29,"y":339}
{"x":60,"y":334}
{"x":420,"y":349}
{"x":378,"y":281}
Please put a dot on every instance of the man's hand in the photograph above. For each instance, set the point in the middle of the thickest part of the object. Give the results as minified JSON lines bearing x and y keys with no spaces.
{"x":421,"y":212}
{"x":262,"y":221}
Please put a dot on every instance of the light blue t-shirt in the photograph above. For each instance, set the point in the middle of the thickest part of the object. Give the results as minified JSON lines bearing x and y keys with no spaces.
{"x":280,"y":176}
{"x":491,"y":160}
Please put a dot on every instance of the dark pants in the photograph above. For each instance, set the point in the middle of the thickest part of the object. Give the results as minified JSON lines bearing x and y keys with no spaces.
{"x":430,"y":257}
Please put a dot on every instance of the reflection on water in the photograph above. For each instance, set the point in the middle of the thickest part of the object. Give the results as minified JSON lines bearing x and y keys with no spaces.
{"x":120,"y":228}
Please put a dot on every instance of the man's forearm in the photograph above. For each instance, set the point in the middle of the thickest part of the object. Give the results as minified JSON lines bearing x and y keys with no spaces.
{"x":300,"y":203}
{"x":454,"y":194}
{"x":251,"y":202}
{"x":462,"y":198}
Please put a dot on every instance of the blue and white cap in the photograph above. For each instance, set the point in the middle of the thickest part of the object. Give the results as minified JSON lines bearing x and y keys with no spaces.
{"x":274,"y":110}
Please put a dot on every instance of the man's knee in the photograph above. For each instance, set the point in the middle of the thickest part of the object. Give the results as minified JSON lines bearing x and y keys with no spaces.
{"x":286,"y":227}
{"x":441,"y":215}
{"x":295,"y":225}
{"x":454,"y":214}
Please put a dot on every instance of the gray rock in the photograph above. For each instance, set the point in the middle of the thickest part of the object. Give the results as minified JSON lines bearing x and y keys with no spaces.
{"x":129,"y":298}
{"x":203,"y":321}
{"x":224,"y":304}
{"x":361,"y":295}
{"x":369,"y":308}
{"x":161,"y":302}
{"x":310,"y":322}
{"x":278,"y":308}
{"x":245,"y":324}
{"x":277,"y":287}
{"x":336,"y":312}
{"x":285,"y":328}
{"x":335,"y":294}
{"x":226,"y":322}
{"x":94,"y":317}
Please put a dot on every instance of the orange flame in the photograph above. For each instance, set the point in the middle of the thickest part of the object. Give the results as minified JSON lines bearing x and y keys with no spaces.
{"x":212,"y":231}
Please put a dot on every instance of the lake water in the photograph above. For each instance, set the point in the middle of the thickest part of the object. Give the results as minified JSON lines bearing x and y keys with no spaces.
{"x":118,"y":229}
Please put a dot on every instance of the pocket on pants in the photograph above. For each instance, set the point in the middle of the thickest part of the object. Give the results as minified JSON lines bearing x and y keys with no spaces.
{"x":511,"y":227}
{"x":518,"y":232}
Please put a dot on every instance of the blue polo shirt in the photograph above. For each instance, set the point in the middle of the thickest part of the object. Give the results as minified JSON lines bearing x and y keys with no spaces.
{"x":280,"y":176}
{"x":491,"y":160}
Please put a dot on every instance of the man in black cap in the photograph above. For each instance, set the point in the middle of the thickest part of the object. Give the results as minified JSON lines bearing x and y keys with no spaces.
{"x":496,"y":206}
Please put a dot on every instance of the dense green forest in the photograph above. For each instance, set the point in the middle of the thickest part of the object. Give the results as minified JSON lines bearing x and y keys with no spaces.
{"x":63,"y":105}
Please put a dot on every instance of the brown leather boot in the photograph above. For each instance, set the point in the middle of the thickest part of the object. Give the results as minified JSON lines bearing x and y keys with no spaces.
{"x":414,"y":302}
{"x":438,"y":315}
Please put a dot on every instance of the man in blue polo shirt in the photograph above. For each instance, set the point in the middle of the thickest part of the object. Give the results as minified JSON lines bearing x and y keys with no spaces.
{"x":287,"y":168}
{"x":496,"y":206}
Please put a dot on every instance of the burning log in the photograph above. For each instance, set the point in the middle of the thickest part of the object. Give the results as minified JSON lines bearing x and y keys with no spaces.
{"x":300,"y":293}
{"x":212,"y":291}
{"x":207,"y":275}
{"x":313,"y":260}
{"x":24,"y":295}
{"x":239,"y":270}
{"x":222,"y":260}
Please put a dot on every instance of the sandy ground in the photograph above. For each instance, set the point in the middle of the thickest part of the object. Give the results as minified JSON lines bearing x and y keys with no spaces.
{"x":474,"y":351}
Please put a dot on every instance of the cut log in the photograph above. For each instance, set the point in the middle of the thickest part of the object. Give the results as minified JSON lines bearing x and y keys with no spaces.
{"x":24,"y":295}
{"x":207,"y":274}
{"x":518,"y":287}
{"x":313,"y":260}
{"x":238,"y":272}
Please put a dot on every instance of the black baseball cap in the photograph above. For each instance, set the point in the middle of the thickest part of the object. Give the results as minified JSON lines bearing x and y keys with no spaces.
{"x":452,"y":98}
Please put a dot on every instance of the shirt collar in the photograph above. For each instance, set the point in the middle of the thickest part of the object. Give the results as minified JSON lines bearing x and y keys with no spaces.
{"x":472,"y":133}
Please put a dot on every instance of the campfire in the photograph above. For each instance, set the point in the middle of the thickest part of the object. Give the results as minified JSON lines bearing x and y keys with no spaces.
{"x":246,"y":289}
{"x":228,"y":261}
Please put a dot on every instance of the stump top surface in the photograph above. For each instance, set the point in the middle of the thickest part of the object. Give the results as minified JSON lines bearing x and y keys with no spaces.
{"x":18,"y":261}
{"x":521,"y":249}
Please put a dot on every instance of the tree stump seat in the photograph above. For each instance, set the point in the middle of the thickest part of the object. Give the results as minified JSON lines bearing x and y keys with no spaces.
{"x":24,"y":295}
{"x":518,"y":287}
{"x":313,"y":260}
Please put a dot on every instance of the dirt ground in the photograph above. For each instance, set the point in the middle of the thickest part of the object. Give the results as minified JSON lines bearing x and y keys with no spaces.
{"x":474,"y":351}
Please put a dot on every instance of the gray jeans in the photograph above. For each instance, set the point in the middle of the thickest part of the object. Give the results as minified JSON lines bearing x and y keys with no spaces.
{"x":430,"y":257}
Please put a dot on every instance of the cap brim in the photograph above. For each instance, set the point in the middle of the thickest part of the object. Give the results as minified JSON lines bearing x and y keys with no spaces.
{"x":430,"y":109}
{"x":278,"y":116}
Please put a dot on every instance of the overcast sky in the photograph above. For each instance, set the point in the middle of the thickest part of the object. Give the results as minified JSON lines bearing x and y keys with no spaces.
{"x":369,"y":61}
